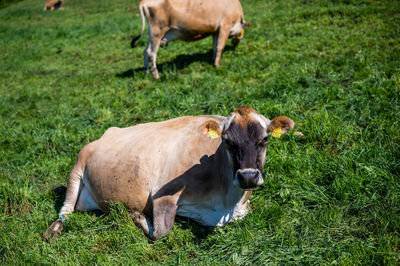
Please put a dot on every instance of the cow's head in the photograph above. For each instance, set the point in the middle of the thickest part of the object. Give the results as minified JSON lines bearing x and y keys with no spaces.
{"x":245,"y":135}
{"x":238,"y":34}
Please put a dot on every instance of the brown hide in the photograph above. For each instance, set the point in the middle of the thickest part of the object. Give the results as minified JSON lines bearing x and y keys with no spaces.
{"x":132,"y":164}
{"x":54,"y":4}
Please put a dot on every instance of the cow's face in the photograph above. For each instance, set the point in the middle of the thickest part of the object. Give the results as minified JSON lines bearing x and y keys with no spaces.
{"x":245,"y":136}
{"x":237,"y":32}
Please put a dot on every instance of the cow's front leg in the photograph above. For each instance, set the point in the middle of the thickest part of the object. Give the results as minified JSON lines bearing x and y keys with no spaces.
{"x":164,"y":211}
{"x":222,"y":37}
{"x":143,"y":223}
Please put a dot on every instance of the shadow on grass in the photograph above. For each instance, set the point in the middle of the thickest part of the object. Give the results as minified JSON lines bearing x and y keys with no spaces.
{"x":199,"y":231}
{"x":179,"y":62}
{"x":60,"y":197}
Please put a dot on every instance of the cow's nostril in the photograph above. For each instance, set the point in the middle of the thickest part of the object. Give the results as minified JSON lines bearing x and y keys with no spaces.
{"x":248,"y":178}
{"x":255,"y":175}
{"x":247,"y":174}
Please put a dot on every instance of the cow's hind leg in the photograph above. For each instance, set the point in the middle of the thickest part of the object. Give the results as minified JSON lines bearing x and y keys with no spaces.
{"x":73,"y":190}
{"x":150,"y":53}
{"x":157,"y":29}
{"x":146,"y":53}
{"x":154,"y":44}
{"x":74,"y":183}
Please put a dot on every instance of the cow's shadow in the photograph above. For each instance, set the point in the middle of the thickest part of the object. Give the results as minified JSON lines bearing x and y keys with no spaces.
{"x":199,"y":231}
{"x":179,"y":62}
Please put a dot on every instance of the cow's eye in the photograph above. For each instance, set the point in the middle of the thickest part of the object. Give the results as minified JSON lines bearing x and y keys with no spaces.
{"x":264,"y":141}
{"x":230,"y":144}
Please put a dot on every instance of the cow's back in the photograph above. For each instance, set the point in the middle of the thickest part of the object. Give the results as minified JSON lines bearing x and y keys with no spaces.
{"x":195,"y":16}
{"x":131,"y":164}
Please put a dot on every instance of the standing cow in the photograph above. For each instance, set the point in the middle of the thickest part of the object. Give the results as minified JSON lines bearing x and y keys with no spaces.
{"x":201,"y":167}
{"x":189,"y":20}
{"x":54,"y":4}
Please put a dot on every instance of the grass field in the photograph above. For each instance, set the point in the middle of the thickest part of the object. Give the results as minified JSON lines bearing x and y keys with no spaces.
{"x":331,"y":197}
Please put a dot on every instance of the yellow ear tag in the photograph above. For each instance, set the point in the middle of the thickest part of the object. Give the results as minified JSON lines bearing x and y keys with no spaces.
{"x":277,"y":132}
{"x":242,"y":33}
{"x":213,"y":134}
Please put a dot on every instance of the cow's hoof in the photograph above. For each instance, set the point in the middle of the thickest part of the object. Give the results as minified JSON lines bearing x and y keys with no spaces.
{"x":53,"y":232}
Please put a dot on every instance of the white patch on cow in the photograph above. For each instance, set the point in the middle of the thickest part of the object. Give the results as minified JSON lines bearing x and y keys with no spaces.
{"x":85,"y":201}
{"x":236,"y":29}
{"x":170,"y":36}
{"x":260,"y":181}
{"x":227,"y":122}
{"x":260,"y":120}
{"x":216,"y":216}
{"x":220,"y":207}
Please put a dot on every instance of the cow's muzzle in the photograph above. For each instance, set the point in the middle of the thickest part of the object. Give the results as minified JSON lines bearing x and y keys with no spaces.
{"x":248,"y":179}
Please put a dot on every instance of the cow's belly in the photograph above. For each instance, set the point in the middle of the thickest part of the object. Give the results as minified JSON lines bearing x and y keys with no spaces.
{"x":183,"y":35}
{"x":215,"y":216}
{"x":85,"y":200}
{"x":122,"y":181}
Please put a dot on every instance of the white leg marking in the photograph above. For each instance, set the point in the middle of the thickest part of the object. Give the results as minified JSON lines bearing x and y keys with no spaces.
{"x":74,"y":183}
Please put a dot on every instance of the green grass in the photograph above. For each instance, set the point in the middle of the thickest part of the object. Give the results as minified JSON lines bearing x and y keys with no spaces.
{"x":332,"y":66}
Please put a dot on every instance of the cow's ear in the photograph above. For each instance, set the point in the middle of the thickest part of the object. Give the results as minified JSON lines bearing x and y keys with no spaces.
{"x":279,"y":126}
{"x":211,"y":129}
{"x":247,"y":24}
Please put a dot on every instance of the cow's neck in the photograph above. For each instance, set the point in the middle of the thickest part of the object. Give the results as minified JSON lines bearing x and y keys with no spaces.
{"x":231,"y":196}
{"x":223,"y":203}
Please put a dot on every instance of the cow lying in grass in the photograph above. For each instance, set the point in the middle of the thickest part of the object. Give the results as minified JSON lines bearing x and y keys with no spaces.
{"x":54,"y":4}
{"x":201,"y":167}
{"x":189,"y":20}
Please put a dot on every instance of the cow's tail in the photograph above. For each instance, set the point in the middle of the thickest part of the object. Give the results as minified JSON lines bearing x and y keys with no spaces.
{"x":141,"y":7}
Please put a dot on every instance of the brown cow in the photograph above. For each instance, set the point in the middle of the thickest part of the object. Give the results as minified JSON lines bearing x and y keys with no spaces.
{"x":189,"y":20}
{"x":201,"y":167}
{"x":54,"y":4}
